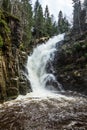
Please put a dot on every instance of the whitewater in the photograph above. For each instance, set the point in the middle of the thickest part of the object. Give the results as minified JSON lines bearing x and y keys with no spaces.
{"x":39,"y":79}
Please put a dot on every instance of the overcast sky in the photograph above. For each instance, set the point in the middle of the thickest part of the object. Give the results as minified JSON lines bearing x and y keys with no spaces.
{"x":56,"y":5}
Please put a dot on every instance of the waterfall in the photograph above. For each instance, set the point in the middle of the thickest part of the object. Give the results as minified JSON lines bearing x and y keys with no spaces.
{"x":41,"y":81}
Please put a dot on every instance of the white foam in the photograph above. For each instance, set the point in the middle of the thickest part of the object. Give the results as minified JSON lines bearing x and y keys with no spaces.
{"x":36,"y":66}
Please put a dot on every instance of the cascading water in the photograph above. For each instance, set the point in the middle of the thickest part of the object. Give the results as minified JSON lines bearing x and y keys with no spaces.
{"x":41,"y":81}
{"x":42,"y":109}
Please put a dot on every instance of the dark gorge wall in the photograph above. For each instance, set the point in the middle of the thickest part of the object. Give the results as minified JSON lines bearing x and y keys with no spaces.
{"x":70,"y":63}
{"x":12,"y":60}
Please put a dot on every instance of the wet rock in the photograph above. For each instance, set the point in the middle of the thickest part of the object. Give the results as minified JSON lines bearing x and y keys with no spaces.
{"x":52,"y":85}
{"x":24,"y":84}
{"x":15,"y":82}
{"x":12,"y":92}
{"x":67,"y":37}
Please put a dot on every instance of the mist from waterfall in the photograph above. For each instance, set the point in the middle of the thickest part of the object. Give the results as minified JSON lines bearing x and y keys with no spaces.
{"x":41,"y":81}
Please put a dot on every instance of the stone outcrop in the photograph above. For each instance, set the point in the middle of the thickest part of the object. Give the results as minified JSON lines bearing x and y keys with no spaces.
{"x":12,"y":60}
{"x":70,"y":63}
{"x":35,"y":42}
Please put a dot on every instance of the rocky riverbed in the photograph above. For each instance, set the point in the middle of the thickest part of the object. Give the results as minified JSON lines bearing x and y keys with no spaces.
{"x":36,"y":113}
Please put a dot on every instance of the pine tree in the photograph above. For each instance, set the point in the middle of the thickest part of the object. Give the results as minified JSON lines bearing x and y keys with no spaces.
{"x":46,"y":12}
{"x":16,"y":8}
{"x":63,"y":24}
{"x":35,"y":19}
{"x":76,"y":16}
{"x":83,"y":20}
{"x":6,"y":5}
{"x":38,"y":20}
{"x":60,"y":22}
{"x":48,"y":22}
{"x":85,"y":7}
{"x":26,"y":20}
{"x":85,"y":4}
{"x":54,"y":28}
{"x":66,"y":25}
{"x":1,"y":3}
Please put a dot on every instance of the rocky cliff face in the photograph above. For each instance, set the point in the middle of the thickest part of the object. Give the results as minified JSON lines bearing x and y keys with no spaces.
{"x":12,"y":60}
{"x":70,"y":63}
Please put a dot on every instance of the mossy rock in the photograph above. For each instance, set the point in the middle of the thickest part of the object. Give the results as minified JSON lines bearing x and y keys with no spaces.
{"x":15,"y":82}
{"x":77,"y":46}
{"x":69,"y":67}
{"x":69,"y":51}
{"x":76,"y":73}
{"x":23,"y":88}
{"x":21,"y":47}
{"x":81,"y":60}
{"x":12,"y":92}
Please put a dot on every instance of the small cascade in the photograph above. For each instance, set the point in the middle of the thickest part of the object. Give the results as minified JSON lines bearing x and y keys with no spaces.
{"x":42,"y":81}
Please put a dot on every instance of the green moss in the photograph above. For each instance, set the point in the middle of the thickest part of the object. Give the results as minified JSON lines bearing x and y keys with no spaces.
{"x":69,"y":51}
{"x":14,"y":17}
{"x":21,"y":47}
{"x":4,"y":25}
{"x":68,"y":67}
{"x":12,"y":92}
{"x":1,"y":14}
{"x":4,"y":30}
{"x":77,"y":46}
{"x":1,"y":42}
{"x":8,"y":15}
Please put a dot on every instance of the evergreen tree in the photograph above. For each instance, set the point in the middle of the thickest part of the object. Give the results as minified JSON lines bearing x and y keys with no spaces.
{"x":54,"y":28}
{"x":76,"y":16}
{"x":85,"y":7}
{"x":60,"y":22}
{"x":6,"y":5}
{"x":46,"y":13}
{"x":48,"y":22}
{"x":83,"y":20}
{"x":63,"y":24}
{"x":26,"y":20}
{"x":38,"y":20}
{"x":35,"y":30}
{"x":66,"y":25}
{"x":1,"y":3}
{"x":85,"y":4}
{"x":23,"y":10}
